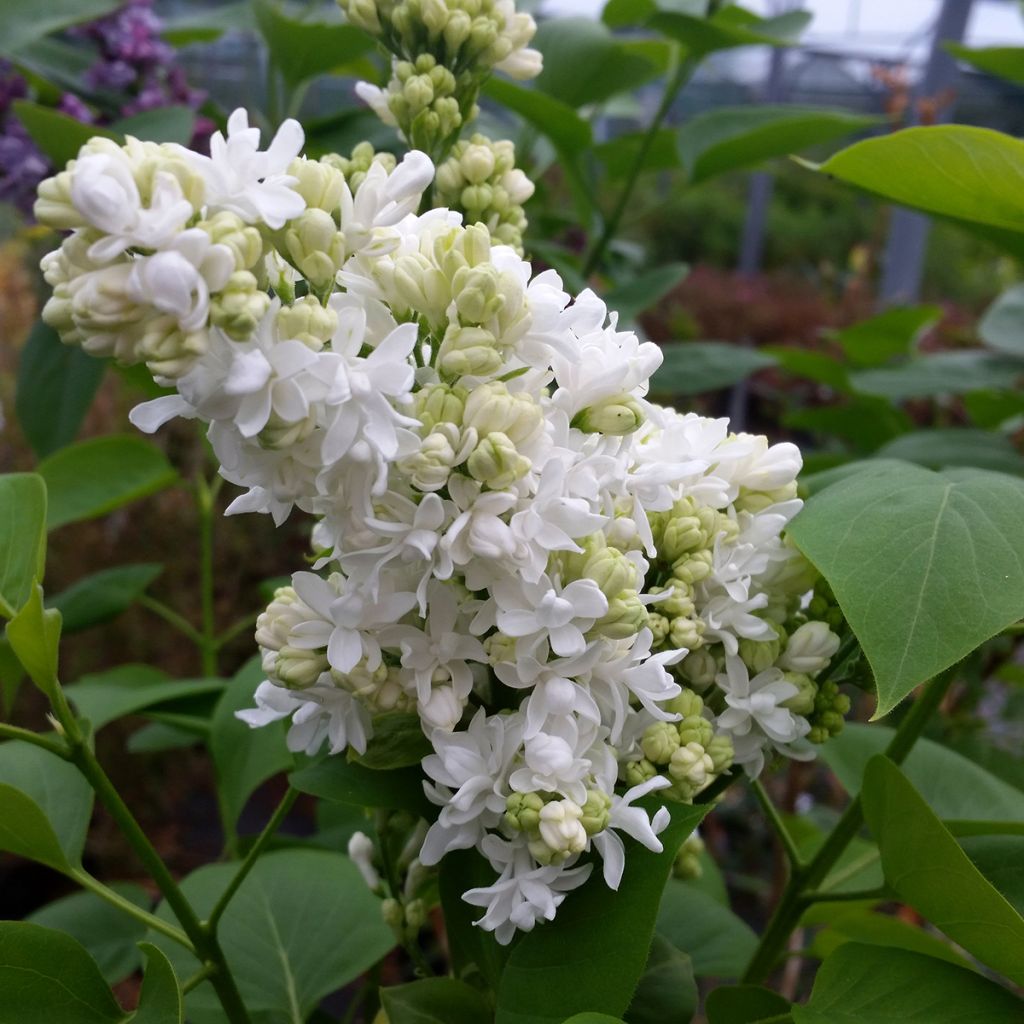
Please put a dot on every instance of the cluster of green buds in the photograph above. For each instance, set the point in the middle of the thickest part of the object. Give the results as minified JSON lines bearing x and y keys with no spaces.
{"x":687,"y":864}
{"x":688,"y":751}
{"x":354,"y":167}
{"x":557,"y":828}
{"x":618,"y":578}
{"x":481,"y":181}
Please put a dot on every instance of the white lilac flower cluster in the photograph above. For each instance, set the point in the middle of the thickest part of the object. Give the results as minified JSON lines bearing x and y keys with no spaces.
{"x":514,"y":544}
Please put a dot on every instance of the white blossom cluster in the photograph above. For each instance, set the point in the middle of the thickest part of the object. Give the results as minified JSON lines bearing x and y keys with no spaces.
{"x":514,"y":544}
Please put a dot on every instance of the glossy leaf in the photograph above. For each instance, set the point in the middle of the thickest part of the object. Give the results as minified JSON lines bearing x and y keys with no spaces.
{"x":56,"y":385}
{"x":58,"y":135}
{"x":940,"y":373}
{"x":958,"y":171}
{"x":160,"y":1001}
{"x":953,"y":786}
{"x":1002,"y":326}
{"x":34,"y":636}
{"x":25,"y":22}
{"x":108,"y":934}
{"x":1002,"y":61}
{"x":643,"y":292}
{"x":105,"y":696}
{"x":667,"y":993}
{"x":862,"y":421}
{"x":730,"y":138}
{"x":895,"y":332}
{"x":103,"y":595}
{"x":579,"y":962}
{"x":46,"y":977}
{"x":435,"y":1001}
{"x":557,"y":120}
{"x":619,"y":13}
{"x":1001,"y":860}
{"x":22,"y":538}
{"x":717,"y":941}
{"x":302,"y":925}
{"x":929,"y":871}
{"x":811,"y":364}
{"x":164,"y":124}
{"x":398,"y":742}
{"x":244,"y":758}
{"x":334,"y":778}
{"x":729,"y":28}
{"x":939,"y":448}
{"x":303,"y":49}
{"x":95,"y":477}
{"x":861,"y":984}
{"x":585,"y":63}
{"x":694,"y":367}
{"x":744,"y":1004}
{"x":45,"y":806}
{"x":934,"y":567}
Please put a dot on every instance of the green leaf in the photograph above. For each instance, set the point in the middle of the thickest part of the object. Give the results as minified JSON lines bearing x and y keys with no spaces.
{"x":25,"y":22}
{"x":744,"y":1004}
{"x":557,"y":120}
{"x":667,"y":993}
{"x":108,"y":934}
{"x":398,"y":742}
{"x":160,"y":1001}
{"x":863,"y":421}
{"x":58,"y":135}
{"x":46,"y":977}
{"x":995,"y":410}
{"x":593,"y":1018}
{"x":953,"y":786}
{"x":861,"y":984}
{"x":619,"y":13}
{"x":303,"y":49}
{"x":103,"y":595}
{"x":941,"y":373}
{"x":929,"y":871}
{"x":644,"y":291}
{"x":693,"y":367}
{"x":621,"y":153}
{"x":302,"y":925}
{"x":103,"y":697}
{"x":939,"y":448}
{"x":729,"y":138}
{"x":334,"y":778}
{"x":584,"y":63}
{"x":859,"y":924}
{"x":22,"y":538}
{"x":729,"y":28}
{"x":896,"y":332}
{"x":244,"y":758}
{"x":1001,"y":860}
{"x":164,"y":124}
{"x":435,"y":1001}
{"x":1003,"y":61}
{"x":56,"y":385}
{"x":925,"y":566}
{"x":858,"y":866}
{"x":92,"y":478}
{"x":715,"y":939}
{"x":34,"y":636}
{"x":1002,"y":326}
{"x":580,"y":960}
{"x":955,"y":171}
{"x":45,"y":806}
{"x":811,"y":364}
{"x":201,"y":25}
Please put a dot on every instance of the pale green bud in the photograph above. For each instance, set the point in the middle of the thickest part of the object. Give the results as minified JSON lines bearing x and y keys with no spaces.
{"x":477,"y":162}
{"x":693,"y":567}
{"x":496,"y":462}
{"x":691,"y":764}
{"x":687,"y":864}
{"x":280,"y":433}
{"x":298,"y":668}
{"x":596,"y":811}
{"x":53,"y":206}
{"x":415,"y":915}
{"x":810,"y":648}
{"x":477,"y":293}
{"x":500,"y":648}
{"x":802,"y":702}
{"x":319,"y":183}
{"x":362,"y":13}
{"x":315,"y":246}
{"x":625,"y":617}
{"x":660,"y":741}
{"x":439,"y":403}
{"x":687,"y":704}
{"x":659,"y":627}
{"x":492,"y":408}
{"x":468,"y":351}
{"x":759,"y":655}
{"x":638,"y":772}
{"x":308,"y":321}
{"x":522,"y":811}
{"x":612,"y":571}
{"x":393,"y":916}
{"x":721,"y":752}
{"x":679,"y":603}
{"x":430,"y":467}
{"x":614,"y":416}
{"x":244,"y":241}
{"x":699,"y":668}
{"x":239,"y":306}
{"x":695,"y":729}
{"x":167,"y":350}
{"x":688,"y":633}
{"x":682,"y":535}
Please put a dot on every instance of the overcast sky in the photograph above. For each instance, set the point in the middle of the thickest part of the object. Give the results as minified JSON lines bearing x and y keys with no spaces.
{"x":879,"y":27}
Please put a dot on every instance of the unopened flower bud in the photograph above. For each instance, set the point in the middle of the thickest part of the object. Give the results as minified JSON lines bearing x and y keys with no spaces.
{"x":319,"y":183}
{"x":308,"y":321}
{"x":699,"y":668}
{"x":492,"y":408}
{"x":638,"y":772}
{"x":759,"y":655}
{"x":614,"y":417}
{"x":660,"y":741}
{"x":442,"y":709}
{"x":440,"y":403}
{"x":810,"y":648}
{"x":361,"y":852}
{"x":468,"y":352}
{"x":625,"y":617}
{"x":315,"y":246}
{"x":561,"y":830}
{"x":721,"y":752}
{"x":244,"y":241}
{"x":692,"y":765}
{"x":687,"y":705}
{"x":496,"y":462}
{"x":596,"y":811}
{"x":239,"y":306}
{"x":522,"y":811}
{"x":686,"y":633}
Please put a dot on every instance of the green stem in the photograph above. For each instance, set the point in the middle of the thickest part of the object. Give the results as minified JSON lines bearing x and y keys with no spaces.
{"x":115,"y":899}
{"x":237,"y":628}
{"x":682,"y":74}
{"x":803,"y":883}
{"x":251,"y":857}
{"x":850,"y":896}
{"x":169,"y":615}
{"x":771,"y":812}
{"x":206,"y":496}
{"x":197,"y":979}
{"x":13,"y":732}
{"x":206,"y":946}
